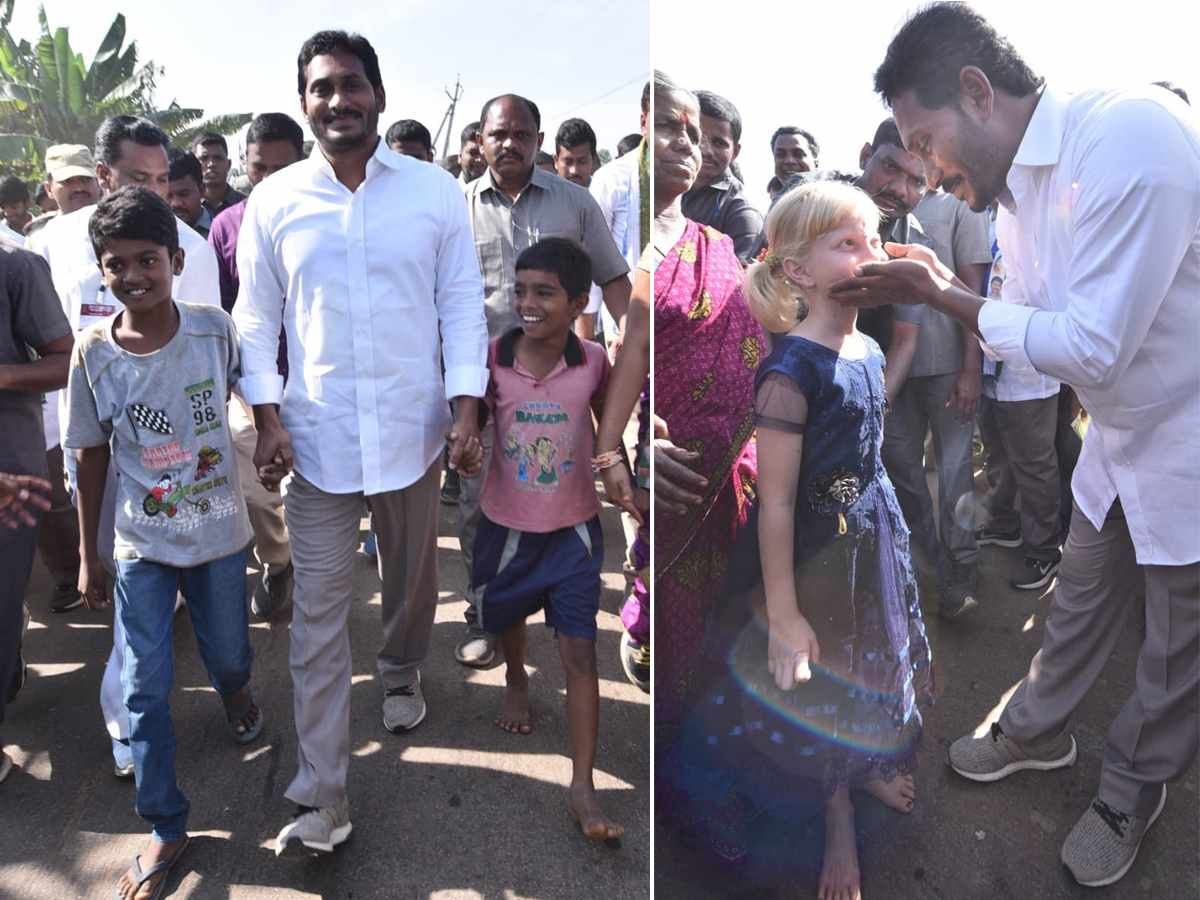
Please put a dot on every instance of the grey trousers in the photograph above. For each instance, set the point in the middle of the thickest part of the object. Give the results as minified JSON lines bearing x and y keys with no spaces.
{"x":324,"y":534}
{"x":921,"y":406}
{"x":265,"y":508}
{"x":1155,"y":737}
{"x":1018,"y":436}
{"x":468,"y":524}
{"x":17,"y":551}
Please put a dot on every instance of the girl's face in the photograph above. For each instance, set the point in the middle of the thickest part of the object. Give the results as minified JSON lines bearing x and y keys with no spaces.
{"x":836,"y":254}
{"x":676,"y":142}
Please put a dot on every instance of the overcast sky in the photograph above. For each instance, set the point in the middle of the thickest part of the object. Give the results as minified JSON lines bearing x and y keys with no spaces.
{"x":812,"y":65}
{"x":229,"y":56}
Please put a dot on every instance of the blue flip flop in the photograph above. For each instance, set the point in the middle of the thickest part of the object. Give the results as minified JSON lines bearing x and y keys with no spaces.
{"x":135,"y":870}
{"x":238,"y":715}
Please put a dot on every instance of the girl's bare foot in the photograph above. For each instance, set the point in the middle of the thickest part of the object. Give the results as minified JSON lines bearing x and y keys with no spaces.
{"x":585,"y":809}
{"x":127,"y":887}
{"x":839,"y":871}
{"x":900,"y":793}
{"x":514,"y":715}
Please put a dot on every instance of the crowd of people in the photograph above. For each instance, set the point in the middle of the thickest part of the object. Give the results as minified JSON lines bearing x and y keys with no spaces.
{"x":221,"y":370}
{"x":1010,"y":263}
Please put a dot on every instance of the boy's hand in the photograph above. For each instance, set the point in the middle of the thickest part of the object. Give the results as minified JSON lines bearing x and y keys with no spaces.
{"x":462,"y":439}
{"x":93,"y":583}
{"x":619,"y":487}
{"x":272,"y":455}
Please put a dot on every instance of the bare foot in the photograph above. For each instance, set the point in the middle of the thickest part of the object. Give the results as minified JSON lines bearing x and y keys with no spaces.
{"x":514,"y":715}
{"x":585,"y":809}
{"x":127,"y":887}
{"x":839,"y":871}
{"x":900,"y":793}
{"x":237,"y":700}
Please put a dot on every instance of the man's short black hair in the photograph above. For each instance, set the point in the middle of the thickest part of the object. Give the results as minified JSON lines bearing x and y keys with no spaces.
{"x":468,"y":134}
{"x":627,"y":143}
{"x":533,"y":110}
{"x":184,"y":165}
{"x":813,"y":147}
{"x":13,"y":190}
{"x":409,"y":130}
{"x":774,"y":184}
{"x":1175,"y":89}
{"x":565,"y":258}
{"x":134,"y":213}
{"x":268,"y":127}
{"x":204,"y":138}
{"x":325,"y":43}
{"x":887,"y":133}
{"x":40,"y":195}
{"x":646,"y":99}
{"x":572,"y":133}
{"x":542,"y":158}
{"x":936,"y":43}
{"x":717,"y":107}
{"x":114,"y":130}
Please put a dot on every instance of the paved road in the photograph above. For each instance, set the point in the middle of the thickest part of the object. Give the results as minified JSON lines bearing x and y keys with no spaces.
{"x":455,"y":810}
{"x":965,"y":840}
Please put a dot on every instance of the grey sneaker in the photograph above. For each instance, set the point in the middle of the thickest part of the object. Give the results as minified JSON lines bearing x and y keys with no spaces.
{"x":957,"y":594}
{"x":992,"y":757}
{"x":404,"y":707}
{"x":6,"y":765}
{"x":1104,"y":842}
{"x":314,"y":832}
{"x":272,"y":593}
{"x":477,"y":648}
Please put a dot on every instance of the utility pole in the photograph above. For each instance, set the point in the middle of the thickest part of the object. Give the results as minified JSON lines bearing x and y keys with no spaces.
{"x":448,"y":118}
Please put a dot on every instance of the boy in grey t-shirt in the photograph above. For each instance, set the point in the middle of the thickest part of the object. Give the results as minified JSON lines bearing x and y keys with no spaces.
{"x":149,"y":386}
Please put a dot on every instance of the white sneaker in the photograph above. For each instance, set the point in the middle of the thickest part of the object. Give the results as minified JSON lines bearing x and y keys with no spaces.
{"x":404,"y":707}
{"x":314,"y":832}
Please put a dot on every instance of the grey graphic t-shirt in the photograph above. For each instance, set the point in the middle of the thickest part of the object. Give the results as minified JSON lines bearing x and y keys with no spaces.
{"x":179,"y":500}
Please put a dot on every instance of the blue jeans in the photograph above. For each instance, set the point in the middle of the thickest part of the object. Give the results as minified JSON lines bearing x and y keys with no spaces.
{"x":145,"y":599}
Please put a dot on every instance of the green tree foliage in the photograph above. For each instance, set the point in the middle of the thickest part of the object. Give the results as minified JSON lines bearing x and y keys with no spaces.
{"x":49,"y":95}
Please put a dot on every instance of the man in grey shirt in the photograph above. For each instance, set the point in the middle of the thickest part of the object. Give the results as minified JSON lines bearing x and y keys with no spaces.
{"x":512,"y":206}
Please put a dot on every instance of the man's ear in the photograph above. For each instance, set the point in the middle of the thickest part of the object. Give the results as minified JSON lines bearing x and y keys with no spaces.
{"x":975,"y":94}
{"x":737,"y":149}
{"x":864,"y":154}
{"x":103,"y":174}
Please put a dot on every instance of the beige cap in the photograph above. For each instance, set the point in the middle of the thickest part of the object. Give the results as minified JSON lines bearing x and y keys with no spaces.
{"x":65,"y":161}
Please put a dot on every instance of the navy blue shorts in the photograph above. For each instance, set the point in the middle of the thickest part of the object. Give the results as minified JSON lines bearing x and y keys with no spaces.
{"x":516,"y":573}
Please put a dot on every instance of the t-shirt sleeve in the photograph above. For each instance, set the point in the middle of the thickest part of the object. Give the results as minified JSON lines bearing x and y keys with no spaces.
{"x":905,"y":312}
{"x":37,"y":315}
{"x":85,"y":428}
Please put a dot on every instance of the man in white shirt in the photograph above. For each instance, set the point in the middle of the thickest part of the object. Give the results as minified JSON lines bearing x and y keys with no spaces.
{"x":129,"y":151}
{"x":1105,"y":251}
{"x":364,"y":409}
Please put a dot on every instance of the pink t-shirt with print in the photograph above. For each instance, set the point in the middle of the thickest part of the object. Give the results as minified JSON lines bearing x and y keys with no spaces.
{"x":539,"y":477}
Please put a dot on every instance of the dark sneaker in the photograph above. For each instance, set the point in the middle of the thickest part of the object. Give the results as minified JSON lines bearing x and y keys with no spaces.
{"x":18,"y":680}
{"x":635,"y":660}
{"x":272,"y":593}
{"x":314,"y":832}
{"x":957,"y":594}
{"x":369,"y":548}
{"x":995,"y":755}
{"x":477,"y":648}
{"x":985,"y":536}
{"x":1034,"y":573}
{"x":452,"y":489}
{"x":66,"y":596}
{"x":1105,"y":841}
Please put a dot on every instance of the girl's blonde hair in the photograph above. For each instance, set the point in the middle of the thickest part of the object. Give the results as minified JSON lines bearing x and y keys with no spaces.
{"x":798,"y":220}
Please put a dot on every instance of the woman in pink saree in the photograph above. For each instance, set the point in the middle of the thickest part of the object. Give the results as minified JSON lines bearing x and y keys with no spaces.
{"x":706,"y":348}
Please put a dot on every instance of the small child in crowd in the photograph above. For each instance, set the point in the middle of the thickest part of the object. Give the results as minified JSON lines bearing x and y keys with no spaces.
{"x":149,"y":387}
{"x":817,"y":656}
{"x":539,"y":544}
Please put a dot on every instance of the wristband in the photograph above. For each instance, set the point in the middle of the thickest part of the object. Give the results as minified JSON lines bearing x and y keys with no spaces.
{"x":607,"y":460}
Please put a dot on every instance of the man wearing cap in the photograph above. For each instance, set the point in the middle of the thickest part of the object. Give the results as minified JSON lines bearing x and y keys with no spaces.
{"x":71,"y":181}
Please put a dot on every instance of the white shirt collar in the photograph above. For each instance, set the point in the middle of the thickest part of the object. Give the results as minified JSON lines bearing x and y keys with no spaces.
{"x":1042,"y":143}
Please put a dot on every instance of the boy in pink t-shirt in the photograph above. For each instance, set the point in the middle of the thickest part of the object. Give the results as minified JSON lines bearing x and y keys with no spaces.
{"x":539,"y":544}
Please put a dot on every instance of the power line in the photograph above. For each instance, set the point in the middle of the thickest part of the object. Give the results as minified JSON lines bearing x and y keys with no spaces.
{"x":639,"y":77}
